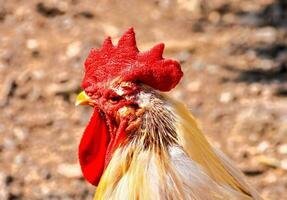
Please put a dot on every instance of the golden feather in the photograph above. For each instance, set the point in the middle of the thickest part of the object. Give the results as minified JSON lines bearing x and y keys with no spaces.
{"x":199,"y":150}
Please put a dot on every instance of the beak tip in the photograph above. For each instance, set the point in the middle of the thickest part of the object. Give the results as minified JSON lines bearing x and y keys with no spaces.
{"x":82,"y":99}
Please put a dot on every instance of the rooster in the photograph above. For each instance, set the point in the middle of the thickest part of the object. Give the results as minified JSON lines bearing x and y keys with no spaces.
{"x":139,"y":143}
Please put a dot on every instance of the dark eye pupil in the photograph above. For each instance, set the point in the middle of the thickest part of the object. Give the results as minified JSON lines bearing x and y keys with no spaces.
{"x":117,"y":98}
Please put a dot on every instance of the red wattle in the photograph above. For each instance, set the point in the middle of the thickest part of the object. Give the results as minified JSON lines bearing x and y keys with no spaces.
{"x":118,"y":138}
{"x":93,"y":148}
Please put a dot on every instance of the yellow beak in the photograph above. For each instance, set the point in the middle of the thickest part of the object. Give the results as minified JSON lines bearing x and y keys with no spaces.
{"x":83,"y":99}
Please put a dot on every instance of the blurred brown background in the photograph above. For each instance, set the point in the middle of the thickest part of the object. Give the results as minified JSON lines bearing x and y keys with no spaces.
{"x":233,"y":53}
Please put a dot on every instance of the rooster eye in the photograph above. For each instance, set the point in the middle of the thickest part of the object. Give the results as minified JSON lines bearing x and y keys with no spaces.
{"x":115,"y":99}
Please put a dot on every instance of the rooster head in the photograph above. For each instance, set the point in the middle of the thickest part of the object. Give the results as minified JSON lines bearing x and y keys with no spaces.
{"x":114,"y":78}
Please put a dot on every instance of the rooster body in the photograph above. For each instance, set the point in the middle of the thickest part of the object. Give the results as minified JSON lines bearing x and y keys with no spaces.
{"x":169,"y":158}
{"x":141,"y":144}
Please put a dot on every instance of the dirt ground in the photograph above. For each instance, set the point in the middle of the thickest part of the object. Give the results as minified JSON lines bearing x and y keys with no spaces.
{"x":233,"y":54}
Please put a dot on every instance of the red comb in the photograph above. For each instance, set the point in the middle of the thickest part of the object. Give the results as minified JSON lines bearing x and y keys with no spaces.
{"x":124,"y":61}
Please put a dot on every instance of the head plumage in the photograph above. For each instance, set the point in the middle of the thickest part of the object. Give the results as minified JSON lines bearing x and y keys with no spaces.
{"x":125,"y":62}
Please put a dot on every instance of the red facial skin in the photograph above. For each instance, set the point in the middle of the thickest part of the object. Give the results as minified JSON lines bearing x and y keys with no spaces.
{"x":110,"y":102}
{"x":107,"y":130}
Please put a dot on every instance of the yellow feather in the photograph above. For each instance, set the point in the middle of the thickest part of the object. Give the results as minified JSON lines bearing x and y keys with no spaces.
{"x":199,"y":150}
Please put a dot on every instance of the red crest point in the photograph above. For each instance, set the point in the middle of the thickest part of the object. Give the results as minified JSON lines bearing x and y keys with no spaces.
{"x":124,"y":61}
